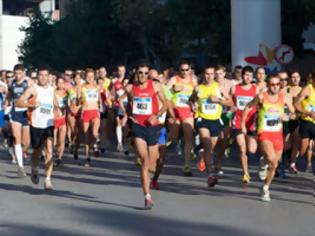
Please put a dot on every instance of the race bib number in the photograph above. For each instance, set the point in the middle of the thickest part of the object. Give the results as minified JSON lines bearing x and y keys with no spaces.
{"x":18,"y":90}
{"x":242,"y":101}
{"x":208,"y":107}
{"x":182,"y":100}
{"x":310,"y":108}
{"x":142,"y":106}
{"x":45,"y":109}
{"x":91,"y":96}
{"x":272,"y":123}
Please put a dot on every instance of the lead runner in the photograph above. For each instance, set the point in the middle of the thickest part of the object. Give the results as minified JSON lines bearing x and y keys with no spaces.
{"x":145,"y":96}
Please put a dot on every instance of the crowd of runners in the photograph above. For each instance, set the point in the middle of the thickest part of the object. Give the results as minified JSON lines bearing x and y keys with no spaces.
{"x":151,"y":112}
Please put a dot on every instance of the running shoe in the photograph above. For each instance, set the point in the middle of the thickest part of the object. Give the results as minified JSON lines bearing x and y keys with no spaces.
{"x":148,"y":203}
{"x":48,"y":185}
{"x":187,"y":171}
{"x":219,"y":170}
{"x":246,"y":179}
{"x":262,"y":170}
{"x":87,"y":162}
{"x":75,"y":155}
{"x":178,"y":149}
{"x":21,"y":172}
{"x":96,"y":153}
{"x":155,"y":185}
{"x":212,"y":181}
{"x":103,"y":150}
{"x":193,"y":155}
{"x":293,"y":169}
{"x":13,"y":161}
{"x":120,"y":148}
{"x":58,"y":162}
{"x":138,"y":161}
{"x":309,"y":168}
{"x":265,"y":195}
{"x":282,"y":172}
{"x":202,"y":165}
{"x":35,"y":176}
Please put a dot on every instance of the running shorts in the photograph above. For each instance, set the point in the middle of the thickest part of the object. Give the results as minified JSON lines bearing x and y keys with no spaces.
{"x":149,"y":134}
{"x":214,"y":126}
{"x":307,"y":129}
{"x":275,"y":138}
{"x":89,"y":115}
{"x":58,"y":122}
{"x":39,"y":136}
{"x":20,"y":117}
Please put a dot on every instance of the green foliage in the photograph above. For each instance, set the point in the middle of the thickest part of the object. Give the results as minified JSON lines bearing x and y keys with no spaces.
{"x":107,"y":32}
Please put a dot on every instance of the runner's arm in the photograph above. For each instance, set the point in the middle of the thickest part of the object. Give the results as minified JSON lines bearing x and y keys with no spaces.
{"x":128,"y":90}
{"x":257,"y":99}
{"x":303,"y":95}
{"x":23,"y":102}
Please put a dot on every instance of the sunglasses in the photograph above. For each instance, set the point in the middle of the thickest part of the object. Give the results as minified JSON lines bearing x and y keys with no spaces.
{"x":184,"y":70}
{"x":68,"y":74}
{"x":143,"y":72}
{"x":285,"y":79}
{"x":274,"y":84}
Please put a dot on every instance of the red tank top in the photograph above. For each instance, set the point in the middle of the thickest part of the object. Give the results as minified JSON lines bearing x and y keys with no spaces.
{"x":240,"y":99}
{"x":144,"y":103}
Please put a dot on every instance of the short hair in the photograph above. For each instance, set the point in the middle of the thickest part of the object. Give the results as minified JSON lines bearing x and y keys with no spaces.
{"x":220,"y":67}
{"x":184,"y":62}
{"x":18,"y":67}
{"x":209,"y":67}
{"x":272,"y":75}
{"x":238,"y":67}
{"x":142,"y":63}
{"x":259,"y":67}
{"x":43,"y":67}
{"x":89,"y":70}
{"x":247,"y":69}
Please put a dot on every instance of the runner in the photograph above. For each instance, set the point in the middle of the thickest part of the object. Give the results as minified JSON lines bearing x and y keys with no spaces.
{"x":60,"y":120}
{"x":270,"y":135}
{"x":210,"y":100}
{"x":305,"y":104}
{"x":154,"y":76}
{"x":74,"y":112}
{"x":223,"y":142}
{"x":89,"y":96}
{"x":144,"y":95}
{"x":182,"y":87}
{"x":237,"y":75}
{"x":118,"y":90}
{"x":19,"y":120}
{"x":42,"y":124}
{"x":242,"y":94}
{"x":261,"y":78}
{"x":106,"y":100}
{"x":293,"y":124}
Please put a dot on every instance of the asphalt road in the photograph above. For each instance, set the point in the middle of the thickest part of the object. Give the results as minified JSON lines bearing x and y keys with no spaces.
{"x":107,"y":199}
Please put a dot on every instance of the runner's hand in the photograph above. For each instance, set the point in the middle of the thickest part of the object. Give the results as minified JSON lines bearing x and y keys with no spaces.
{"x":153,"y":120}
{"x":244,"y":130}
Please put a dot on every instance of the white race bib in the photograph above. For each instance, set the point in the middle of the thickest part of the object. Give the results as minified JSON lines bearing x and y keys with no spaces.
{"x":272,"y":123}
{"x":310,"y":108}
{"x":45,"y":109}
{"x":242,"y":101}
{"x":182,"y":100}
{"x":142,"y":106}
{"x":208,"y":107}
{"x":91,"y":95}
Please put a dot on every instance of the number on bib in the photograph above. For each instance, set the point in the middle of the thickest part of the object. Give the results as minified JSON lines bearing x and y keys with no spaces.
{"x":242,"y":101}
{"x":182,"y":100}
{"x":142,"y":106}
{"x":208,"y":107}
{"x":272,"y":123}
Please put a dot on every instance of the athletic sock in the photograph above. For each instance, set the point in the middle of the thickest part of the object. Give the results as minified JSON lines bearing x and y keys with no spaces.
{"x":119,"y":134}
{"x":19,"y":154}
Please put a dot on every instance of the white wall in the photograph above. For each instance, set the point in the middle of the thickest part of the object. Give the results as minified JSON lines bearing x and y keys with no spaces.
{"x":255,"y":22}
{"x":10,"y":38}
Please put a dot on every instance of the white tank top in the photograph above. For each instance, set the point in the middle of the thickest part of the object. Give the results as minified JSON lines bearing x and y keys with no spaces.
{"x":43,"y":115}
